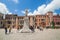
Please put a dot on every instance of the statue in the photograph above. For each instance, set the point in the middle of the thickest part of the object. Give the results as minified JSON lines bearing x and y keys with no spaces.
{"x":25,"y":28}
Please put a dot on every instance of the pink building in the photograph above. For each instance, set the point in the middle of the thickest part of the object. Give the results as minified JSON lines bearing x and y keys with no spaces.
{"x":56,"y":19}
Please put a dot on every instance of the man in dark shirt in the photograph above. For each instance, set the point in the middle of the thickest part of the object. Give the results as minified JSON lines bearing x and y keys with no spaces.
{"x":5,"y":30}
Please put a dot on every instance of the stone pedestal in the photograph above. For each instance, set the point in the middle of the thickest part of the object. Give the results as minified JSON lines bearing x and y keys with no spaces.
{"x":25,"y":28}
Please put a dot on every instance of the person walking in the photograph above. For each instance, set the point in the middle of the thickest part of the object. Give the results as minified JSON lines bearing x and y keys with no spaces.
{"x":32,"y":29}
{"x":5,"y":30}
{"x":9,"y":29}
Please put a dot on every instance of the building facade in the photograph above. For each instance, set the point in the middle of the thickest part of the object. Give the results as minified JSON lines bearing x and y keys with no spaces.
{"x":42,"y":21}
{"x":10,"y":21}
{"x":56,"y":19}
{"x":1,"y":20}
{"x":15,"y":21}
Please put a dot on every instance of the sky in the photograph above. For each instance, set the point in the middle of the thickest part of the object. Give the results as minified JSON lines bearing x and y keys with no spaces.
{"x":34,"y":6}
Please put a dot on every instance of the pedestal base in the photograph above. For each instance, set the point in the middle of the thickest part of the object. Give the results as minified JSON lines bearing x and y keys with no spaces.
{"x":25,"y":31}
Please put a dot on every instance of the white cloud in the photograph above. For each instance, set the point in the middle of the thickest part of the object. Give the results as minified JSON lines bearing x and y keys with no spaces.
{"x":23,"y":12}
{"x":36,"y":12}
{"x":3,"y":9}
{"x":30,"y":14}
{"x":54,"y":13}
{"x":16,"y":1}
{"x":41,"y":9}
{"x":52,"y":6}
{"x":16,"y":10}
{"x":10,"y":13}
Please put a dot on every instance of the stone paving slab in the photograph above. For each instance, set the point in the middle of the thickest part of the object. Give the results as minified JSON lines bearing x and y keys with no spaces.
{"x":46,"y":34}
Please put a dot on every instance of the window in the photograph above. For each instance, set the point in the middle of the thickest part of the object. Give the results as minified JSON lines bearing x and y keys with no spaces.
{"x":36,"y":16}
{"x":42,"y":19}
{"x":21,"y":22}
{"x":35,"y":23}
{"x":9,"y":22}
{"x":35,"y":20}
{"x":58,"y":23}
{"x":39,"y":19}
{"x":1,"y":17}
{"x":1,"y":22}
{"x":8,"y":17}
{"x":14,"y":18}
{"x":29,"y":18}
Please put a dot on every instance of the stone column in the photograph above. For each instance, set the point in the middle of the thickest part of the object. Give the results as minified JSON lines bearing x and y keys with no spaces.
{"x":16,"y":22}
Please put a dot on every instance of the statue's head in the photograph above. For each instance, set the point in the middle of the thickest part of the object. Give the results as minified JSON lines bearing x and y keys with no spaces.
{"x":26,"y":12}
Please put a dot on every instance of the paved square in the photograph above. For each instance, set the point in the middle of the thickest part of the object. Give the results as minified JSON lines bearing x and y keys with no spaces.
{"x":46,"y":34}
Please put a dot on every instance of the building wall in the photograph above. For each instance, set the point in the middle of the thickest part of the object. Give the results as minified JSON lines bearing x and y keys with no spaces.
{"x":20,"y":21}
{"x":31,"y":20}
{"x":50,"y":15}
{"x":1,"y":20}
{"x":15,"y":21}
{"x":47,"y":21}
{"x":56,"y":20}
{"x":10,"y":21}
{"x":42,"y":20}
